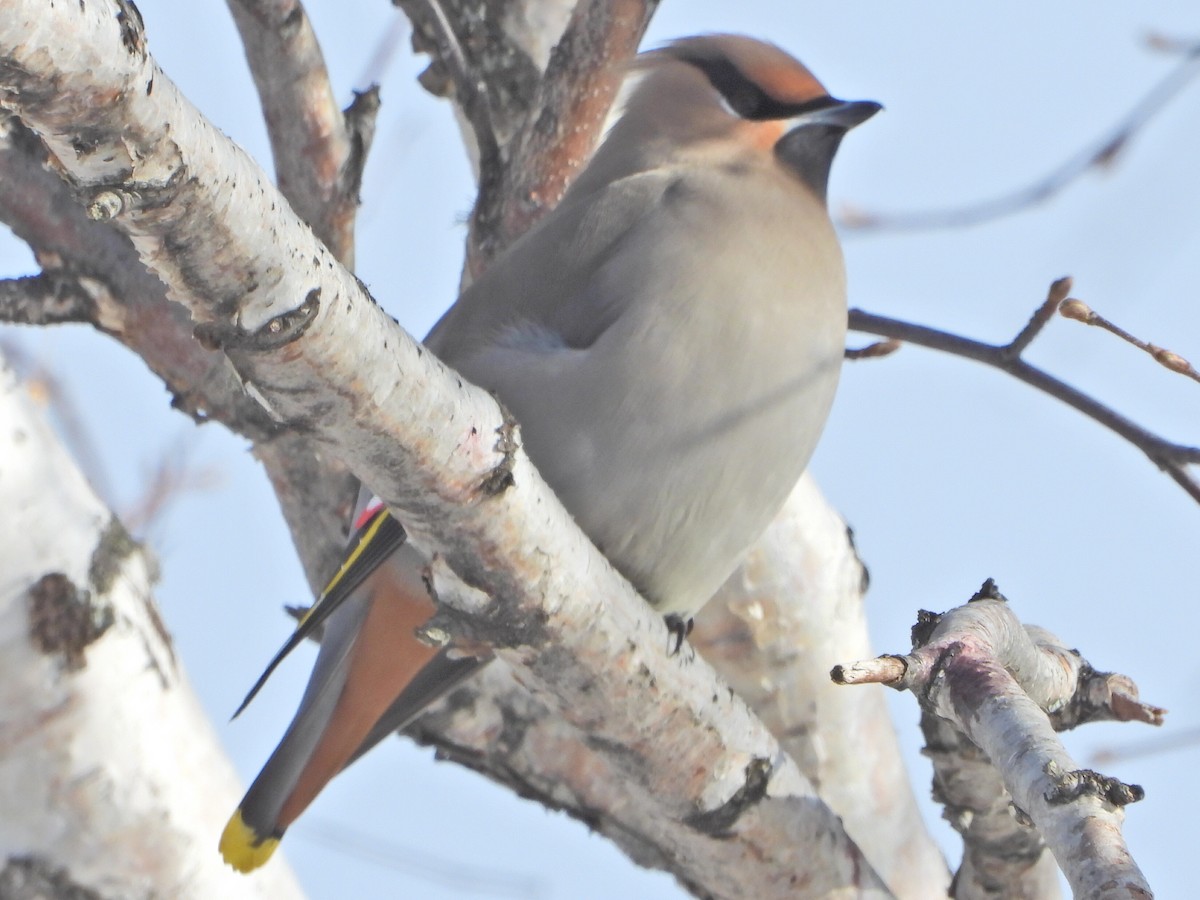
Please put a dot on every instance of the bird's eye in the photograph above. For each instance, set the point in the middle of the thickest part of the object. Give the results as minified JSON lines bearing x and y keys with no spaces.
{"x":745,"y":96}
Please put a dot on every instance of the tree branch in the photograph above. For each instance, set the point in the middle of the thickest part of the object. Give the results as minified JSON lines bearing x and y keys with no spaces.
{"x":480,"y":62}
{"x":564,"y":123}
{"x":795,"y":604}
{"x":320,"y":154}
{"x":532,"y":132}
{"x":132,"y":306}
{"x":130,"y":303}
{"x":1096,"y":154}
{"x":1007,"y":688}
{"x":1170,"y":457}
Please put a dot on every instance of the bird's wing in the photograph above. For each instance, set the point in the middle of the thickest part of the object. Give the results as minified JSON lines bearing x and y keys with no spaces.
{"x":379,"y":537}
{"x":543,"y":285}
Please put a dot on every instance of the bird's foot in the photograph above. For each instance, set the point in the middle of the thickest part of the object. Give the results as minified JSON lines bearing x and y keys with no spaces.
{"x":679,"y":628}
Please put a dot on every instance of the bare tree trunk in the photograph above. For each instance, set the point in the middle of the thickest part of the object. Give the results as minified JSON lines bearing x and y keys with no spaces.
{"x":111,"y":779}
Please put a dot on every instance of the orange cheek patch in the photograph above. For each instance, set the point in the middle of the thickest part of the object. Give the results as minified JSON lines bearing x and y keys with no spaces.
{"x":762,"y":135}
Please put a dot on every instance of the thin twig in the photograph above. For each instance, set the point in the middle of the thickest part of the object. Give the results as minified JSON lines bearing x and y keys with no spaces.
{"x":881,"y":670}
{"x":384,"y":53}
{"x":1094,"y":155}
{"x":1059,"y":291}
{"x":1187,"y":739}
{"x":1170,"y":457}
{"x":457,"y":874}
{"x":876,"y":350}
{"x":172,"y":476}
{"x":1168,"y":359}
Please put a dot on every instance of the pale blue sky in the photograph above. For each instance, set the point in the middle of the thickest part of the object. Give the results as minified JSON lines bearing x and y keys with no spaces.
{"x":948,"y":473}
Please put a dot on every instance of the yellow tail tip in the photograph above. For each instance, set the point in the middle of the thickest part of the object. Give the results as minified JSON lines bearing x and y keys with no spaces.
{"x":244,"y":848}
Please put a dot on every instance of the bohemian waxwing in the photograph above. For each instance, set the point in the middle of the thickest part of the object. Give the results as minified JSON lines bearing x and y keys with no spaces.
{"x":669,"y":339}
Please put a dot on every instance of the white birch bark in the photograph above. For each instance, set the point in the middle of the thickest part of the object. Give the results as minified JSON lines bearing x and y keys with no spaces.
{"x":1007,"y":689}
{"x":111,"y":778}
{"x":793,"y":608}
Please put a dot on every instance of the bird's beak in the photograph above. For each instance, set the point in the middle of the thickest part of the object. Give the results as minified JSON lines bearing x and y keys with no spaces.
{"x":843,"y":114}
{"x":813,"y":135}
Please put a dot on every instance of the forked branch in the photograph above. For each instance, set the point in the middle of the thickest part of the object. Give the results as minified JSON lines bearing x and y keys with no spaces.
{"x":1172,"y":458}
{"x":993,"y":694}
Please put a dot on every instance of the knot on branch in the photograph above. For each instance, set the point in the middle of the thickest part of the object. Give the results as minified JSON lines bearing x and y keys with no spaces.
{"x":64,"y":620}
{"x":989,"y":590}
{"x":115,"y":546}
{"x":133,"y":31}
{"x":1104,"y":697}
{"x":34,"y":875}
{"x":500,"y":477}
{"x":922,"y":631}
{"x":717,"y":822}
{"x":278,"y":332}
{"x":105,"y":202}
{"x":1070,"y":786}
